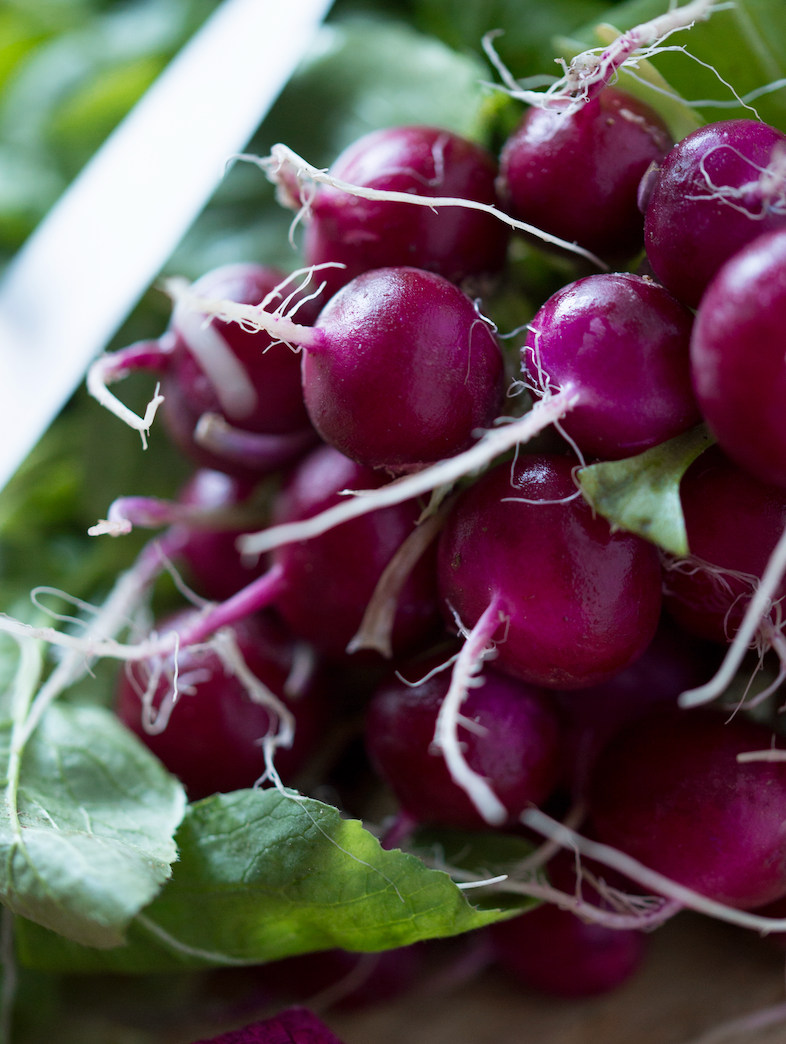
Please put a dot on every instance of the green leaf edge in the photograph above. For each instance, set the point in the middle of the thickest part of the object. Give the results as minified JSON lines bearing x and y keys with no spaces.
{"x":156,"y":942}
{"x":641,"y":494}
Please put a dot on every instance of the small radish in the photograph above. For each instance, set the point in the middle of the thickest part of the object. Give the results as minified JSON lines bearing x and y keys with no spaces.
{"x":670,"y":792}
{"x":623,"y":342}
{"x":718,"y":189}
{"x":229,"y":403}
{"x":508,"y":729}
{"x":364,"y":234}
{"x":576,"y":173}
{"x":579,"y":602}
{"x":203,"y":723}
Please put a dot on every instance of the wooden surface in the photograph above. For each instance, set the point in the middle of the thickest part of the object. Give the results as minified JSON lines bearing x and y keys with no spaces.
{"x":698,"y":974}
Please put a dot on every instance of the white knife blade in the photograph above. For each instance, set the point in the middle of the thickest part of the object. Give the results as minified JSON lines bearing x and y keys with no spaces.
{"x":101,"y":245}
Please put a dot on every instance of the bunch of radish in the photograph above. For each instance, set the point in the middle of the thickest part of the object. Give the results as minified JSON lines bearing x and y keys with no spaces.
{"x":368,"y":390}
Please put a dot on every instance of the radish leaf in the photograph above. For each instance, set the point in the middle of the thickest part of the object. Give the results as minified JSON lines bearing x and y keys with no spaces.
{"x":264,"y":876}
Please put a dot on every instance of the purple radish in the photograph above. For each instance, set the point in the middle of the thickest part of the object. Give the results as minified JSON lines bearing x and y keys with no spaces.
{"x":249,"y":400}
{"x":733,"y":522}
{"x":623,"y":342}
{"x":576,"y":173}
{"x":209,"y":736}
{"x":399,"y":370}
{"x":670,"y":792}
{"x":550,"y":950}
{"x":738,"y":356}
{"x":365,"y":234}
{"x":672,"y":662}
{"x":581,"y":603}
{"x":294,"y":1026}
{"x":718,"y":189}
{"x":509,"y":733}
{"x":329,"y":581}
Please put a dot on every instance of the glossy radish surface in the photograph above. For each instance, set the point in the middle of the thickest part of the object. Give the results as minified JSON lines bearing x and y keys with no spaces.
{"x":623,"y":341}
{"x":365,"y":234}
{"x":576,"y":174}
{"x":670,"y":792}
{"x":582,"y":602}
{"x":718,"y":189}
{"x":738,"y":357}
{"x":406,"y":371}
{"x":516,"y":747}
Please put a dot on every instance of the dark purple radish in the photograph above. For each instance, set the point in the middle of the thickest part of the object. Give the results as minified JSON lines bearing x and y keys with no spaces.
{"x":552,"y":951}
{"x":365,"y":234}
{"x":399,"y":370}
{"x":669,"y":792}
{"x":623,"y":342}
{"x":672,"y":662}
{"x":734,"y":522}
{"x":406,"y":373}
{"x":229,"y":404}
{"x":295,"y":1025}
{"x":738,"y":356}
{"x":210,"y":737}
{"x":718,"y":189}
{"x":576,"y":173}
{"x":514,"y":744}
{"x":581,"y":603}
{"x":329,"y":580}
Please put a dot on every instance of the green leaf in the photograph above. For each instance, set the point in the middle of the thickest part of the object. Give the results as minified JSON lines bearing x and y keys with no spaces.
{"x":745,"y":44}
{"x":96,"y":814}
{"x":642,"y":494}
{"x":264,"y":876}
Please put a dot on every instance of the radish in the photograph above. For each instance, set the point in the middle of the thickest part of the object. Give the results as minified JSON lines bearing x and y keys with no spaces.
{"x":576,"y":173}
{"x":365,"y":234}
{"x":229,"y":403}
{"x":553,"y":951}
{"x":508,"y":730}
{"x":670,"y":792}
{"x":201,"y":720}
{"x":579,"y":602}
{"x":398,"y":371}
{"x":718,"y":189}
{"x":622,"y":341}
{"x":738,"y":355}
{"x":734,"y":522}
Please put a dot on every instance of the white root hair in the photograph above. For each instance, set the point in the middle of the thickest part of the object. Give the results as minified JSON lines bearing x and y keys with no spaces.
{"x":651,"y":879}
{"x":226,"y":373}
{"x":104,"y":372}
{"x":445,"y":473}
{"x":477,"y":648}
{"x":376,"y":627}
{"x":758,"y":608}
{"x":597,"y":67}
{"x":283,"y":164}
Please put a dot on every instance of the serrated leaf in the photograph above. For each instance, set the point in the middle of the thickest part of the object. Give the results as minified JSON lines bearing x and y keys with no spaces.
{"x":97,"y":813}
{"x":641,"y":494}
{"x":263,"y":876}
